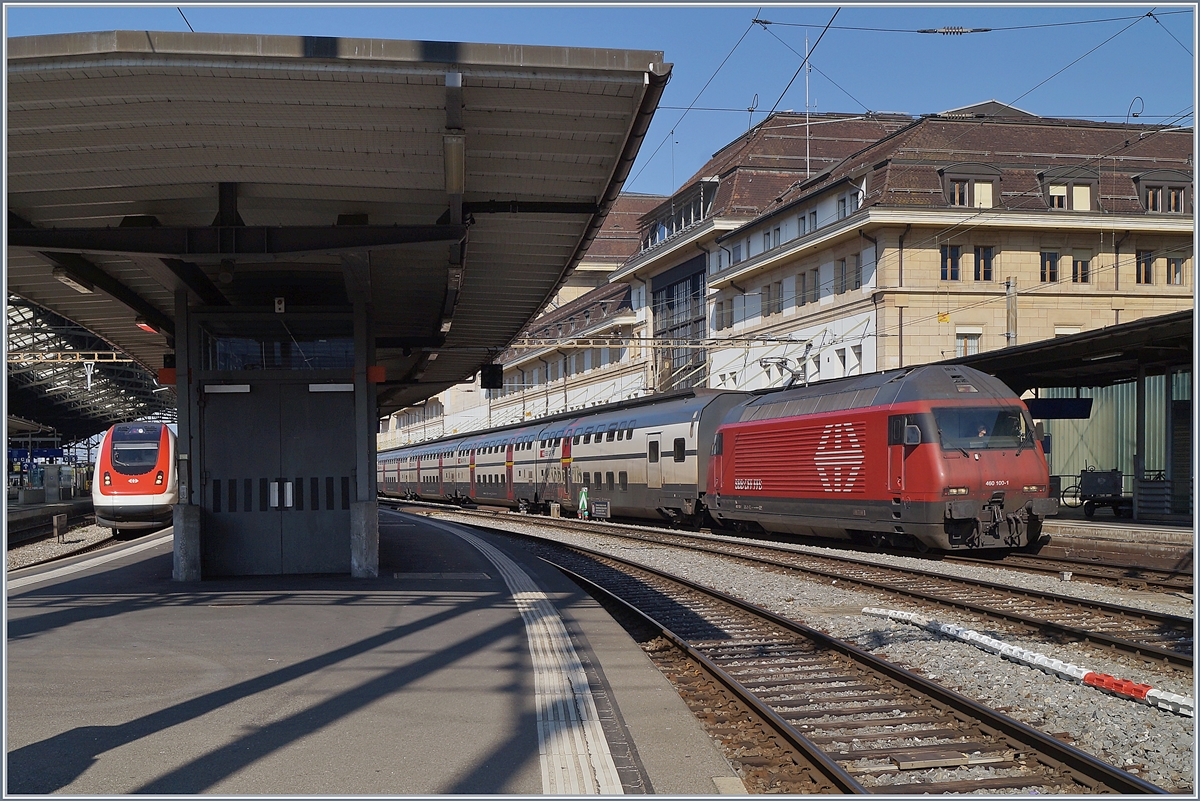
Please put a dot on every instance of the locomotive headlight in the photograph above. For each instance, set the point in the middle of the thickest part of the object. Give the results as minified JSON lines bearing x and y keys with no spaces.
{"x":955,"y":490}
{"x":107,"y":479}
{"x":159,"y":478}
{"x":1034,"y":488}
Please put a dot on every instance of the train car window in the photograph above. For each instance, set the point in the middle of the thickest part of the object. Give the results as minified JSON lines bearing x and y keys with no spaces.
{"x":557,"y":441}
{"x":609,"y":476}
{"x":652,"y":453}
{"x":620,"y":435}
{"x":679,"y":449}
{"x":611,"y":436}
{"x":575,"y":440}
{"x":587,"y":478}
{"x":718,"y":444}
{"x":629,"y":433}
{"x":624,"y":479}
{"x":587,"y":439}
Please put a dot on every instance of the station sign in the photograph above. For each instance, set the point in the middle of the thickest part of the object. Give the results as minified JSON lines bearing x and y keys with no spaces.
{"x":18,"y":454}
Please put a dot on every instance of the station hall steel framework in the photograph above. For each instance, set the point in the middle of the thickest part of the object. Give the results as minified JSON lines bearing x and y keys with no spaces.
{"x":306,"y":233}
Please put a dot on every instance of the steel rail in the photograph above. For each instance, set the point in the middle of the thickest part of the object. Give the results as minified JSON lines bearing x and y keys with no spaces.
{"x":1075,"y":760}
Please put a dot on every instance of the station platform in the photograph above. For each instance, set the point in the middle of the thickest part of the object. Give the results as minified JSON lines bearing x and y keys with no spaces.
{"x":468,"y":666}
{"x":23,"y":517}
{"x":1156,"y":544}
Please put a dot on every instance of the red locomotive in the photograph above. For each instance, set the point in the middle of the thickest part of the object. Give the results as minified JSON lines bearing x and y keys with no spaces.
{"x":943,"y":457}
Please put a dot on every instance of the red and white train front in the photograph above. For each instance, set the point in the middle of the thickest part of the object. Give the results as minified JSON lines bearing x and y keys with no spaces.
{"x":135,"y":485}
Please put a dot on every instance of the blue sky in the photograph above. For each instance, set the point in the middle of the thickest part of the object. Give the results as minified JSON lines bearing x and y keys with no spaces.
{"x":1108,"y":68}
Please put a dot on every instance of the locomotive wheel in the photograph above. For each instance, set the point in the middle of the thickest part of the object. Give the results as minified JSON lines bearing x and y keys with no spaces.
{"x":1089,"y":508}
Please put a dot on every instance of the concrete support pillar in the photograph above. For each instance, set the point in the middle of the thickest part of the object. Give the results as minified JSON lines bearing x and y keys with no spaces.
{"x":186,"y":515}
{"x":1139,"y":452}
{"x":186,"y":518}
{"x":364,"y":539}
{"x":364,"y":511}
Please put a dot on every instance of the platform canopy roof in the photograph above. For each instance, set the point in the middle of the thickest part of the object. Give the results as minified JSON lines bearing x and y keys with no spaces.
{"x":455,"y":184}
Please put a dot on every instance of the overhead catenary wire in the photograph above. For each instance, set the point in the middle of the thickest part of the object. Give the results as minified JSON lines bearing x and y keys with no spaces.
{"x":958,"y":30}
{"x":711,"y":78}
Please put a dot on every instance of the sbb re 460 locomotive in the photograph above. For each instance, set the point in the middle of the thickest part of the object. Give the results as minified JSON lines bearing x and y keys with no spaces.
{"x":135,"y":485}
{"x":940,"y":457}
{"x":932,"y":457}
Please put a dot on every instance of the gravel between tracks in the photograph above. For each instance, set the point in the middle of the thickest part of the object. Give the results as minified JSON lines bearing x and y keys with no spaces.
{"x":49,"y":548}
{"x":1159,"y":745}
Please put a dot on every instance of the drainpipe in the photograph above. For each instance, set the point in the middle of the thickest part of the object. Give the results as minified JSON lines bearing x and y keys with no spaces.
{"x":900,"y":267}
{"x":547,"y":374}
{"x":1117,"y":260}
{"x":649,"y":352}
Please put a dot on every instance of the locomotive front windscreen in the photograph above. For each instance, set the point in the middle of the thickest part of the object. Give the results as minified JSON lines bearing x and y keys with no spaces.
{"x":135,"y":448}
{"x":983,"y":427}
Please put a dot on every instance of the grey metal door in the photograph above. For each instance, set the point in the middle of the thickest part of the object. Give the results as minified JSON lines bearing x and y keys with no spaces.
{"x":316,"y":486}
{"x":241,"y":529}
{"x":277,"y":480}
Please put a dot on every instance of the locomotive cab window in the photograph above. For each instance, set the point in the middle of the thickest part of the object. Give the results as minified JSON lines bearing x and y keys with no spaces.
{"x":679,"y":449}
{"x":135,"y":448}
{"x":718,"y":444}
{"x":983,"y":427}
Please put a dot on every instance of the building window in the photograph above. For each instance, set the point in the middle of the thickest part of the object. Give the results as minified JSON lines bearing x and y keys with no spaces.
{"x":812,"y":220}
{"x":736,"y":253}
{"x":776,"y":233}
{"x":839,"y":276}
{"x":1175,"y":272}
{"x":856,"y":273}
{"x":1145,"y":266}
{"x":856,"y":352}
{"x":1072,"y":195}
{"x":970,"y":192}
{"x":1081,"y":197}
{"x":801,"y":289}
{"x":1049,"y":267}
{"x":984,"y":256}
{"x":801,"y":224}
{"x":951,"y":258}
{"x":1154,"y":198}
{"x":1080,"y":268}
{"x":1175,"y":199}
{"x":958,"y":193}
{"x":841,"y":206}
{"x":766,"y":241}
{"x":966,"y":344}
{"x":772,"y":298}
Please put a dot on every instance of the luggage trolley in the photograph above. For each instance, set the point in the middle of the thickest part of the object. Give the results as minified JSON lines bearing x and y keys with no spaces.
{"x":1103,"y":488}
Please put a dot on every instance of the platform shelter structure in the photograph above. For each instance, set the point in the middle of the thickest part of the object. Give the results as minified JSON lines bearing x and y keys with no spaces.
{"x":306,"y":233}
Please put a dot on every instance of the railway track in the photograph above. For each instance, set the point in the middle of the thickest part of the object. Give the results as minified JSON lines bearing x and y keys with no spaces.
{"x":1161,"y":638}
{"x":1098,"y":570}
{"x":847,"y":721}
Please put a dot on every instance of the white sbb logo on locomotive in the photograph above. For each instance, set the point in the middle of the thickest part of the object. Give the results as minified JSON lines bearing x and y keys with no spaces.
{"x":839,"y":458}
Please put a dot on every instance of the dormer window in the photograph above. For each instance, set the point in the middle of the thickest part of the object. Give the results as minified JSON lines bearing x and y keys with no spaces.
{"x":1070,"y":188}
{"x":1165,"y":191}
{"x":970,"y":185}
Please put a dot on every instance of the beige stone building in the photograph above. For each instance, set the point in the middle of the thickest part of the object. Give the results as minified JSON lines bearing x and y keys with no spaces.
{"x":955,"y":235}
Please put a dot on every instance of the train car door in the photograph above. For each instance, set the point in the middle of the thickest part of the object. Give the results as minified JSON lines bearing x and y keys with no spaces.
{"x":508,"y":471}
{"x":565,"y":461}
{"x":653,"y":460}
{"x":897,"y":451}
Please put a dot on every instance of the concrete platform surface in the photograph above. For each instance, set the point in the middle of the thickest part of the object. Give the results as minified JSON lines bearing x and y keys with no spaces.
{"x":422,"y":681}
{"x":19,"y":513}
